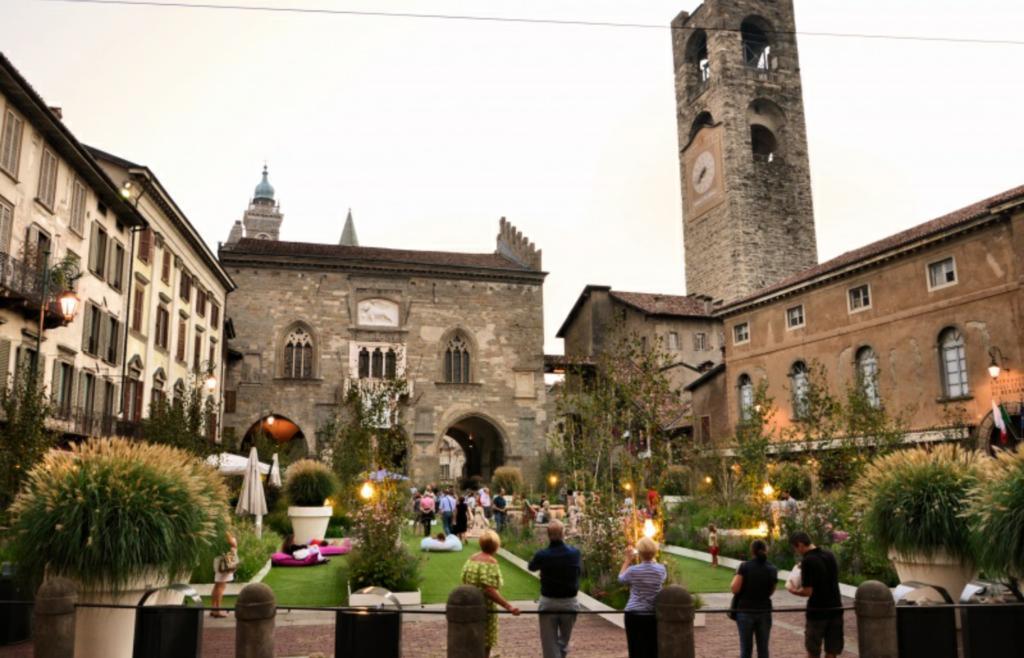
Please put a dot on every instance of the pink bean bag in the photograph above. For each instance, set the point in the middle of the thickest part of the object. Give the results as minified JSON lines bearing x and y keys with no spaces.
{"x":285,"y":560}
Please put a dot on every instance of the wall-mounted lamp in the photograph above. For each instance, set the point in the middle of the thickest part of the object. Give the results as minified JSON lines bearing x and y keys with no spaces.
{"x":997,"y":359}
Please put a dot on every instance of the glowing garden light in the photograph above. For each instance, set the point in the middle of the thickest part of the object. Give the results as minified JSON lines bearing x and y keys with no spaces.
{"x":650,"y":529}
{"x":366,"y":491}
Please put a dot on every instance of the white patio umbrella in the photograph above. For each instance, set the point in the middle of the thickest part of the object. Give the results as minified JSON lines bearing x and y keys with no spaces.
{"x":274,"y":479}
{"x":251,"y":500}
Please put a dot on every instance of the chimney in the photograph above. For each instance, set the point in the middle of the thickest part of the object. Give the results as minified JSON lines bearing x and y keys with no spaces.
{"x":57,"y":112}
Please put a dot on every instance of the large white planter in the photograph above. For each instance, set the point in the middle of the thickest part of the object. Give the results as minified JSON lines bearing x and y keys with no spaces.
{"x":941,"y":569}
{"x":110,"y":633}
{"x":309,"y":523}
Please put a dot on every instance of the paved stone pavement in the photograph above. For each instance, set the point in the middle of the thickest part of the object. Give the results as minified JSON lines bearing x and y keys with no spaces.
{"x":424,"y":636}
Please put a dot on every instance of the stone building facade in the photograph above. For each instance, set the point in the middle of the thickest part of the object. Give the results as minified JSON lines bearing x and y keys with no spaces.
{"x":748,"y":219}
{"x":466,"y":330}
{"x":918,"y":319}
{"x":682,"y":327}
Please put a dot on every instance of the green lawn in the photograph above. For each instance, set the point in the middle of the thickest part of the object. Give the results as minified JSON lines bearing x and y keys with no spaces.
{"x":442,"y":573}
{"x":700,"y":577}
{"x":322,"y":585}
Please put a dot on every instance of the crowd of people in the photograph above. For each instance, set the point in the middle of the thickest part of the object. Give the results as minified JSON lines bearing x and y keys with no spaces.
{"x":560,"y":566}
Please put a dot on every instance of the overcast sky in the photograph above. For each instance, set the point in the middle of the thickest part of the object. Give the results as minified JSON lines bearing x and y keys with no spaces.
{"x":430,"y":130}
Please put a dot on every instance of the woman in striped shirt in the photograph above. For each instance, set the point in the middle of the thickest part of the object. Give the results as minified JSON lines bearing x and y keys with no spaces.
{"x":645,"y":579}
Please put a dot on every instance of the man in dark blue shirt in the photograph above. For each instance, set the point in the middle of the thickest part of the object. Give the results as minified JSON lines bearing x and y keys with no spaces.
{"x":559,"y":566}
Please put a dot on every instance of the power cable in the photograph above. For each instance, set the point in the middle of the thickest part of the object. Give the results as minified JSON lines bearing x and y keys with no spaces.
{"x":522,"y":20}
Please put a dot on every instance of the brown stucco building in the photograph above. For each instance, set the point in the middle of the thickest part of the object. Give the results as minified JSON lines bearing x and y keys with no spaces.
{"x":312,"y":320}
{"x":918,"y":317}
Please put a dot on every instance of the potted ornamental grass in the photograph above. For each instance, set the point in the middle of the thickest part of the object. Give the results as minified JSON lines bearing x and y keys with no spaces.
{"x":997,"y":517}
{"x":118,"y":518}
{"x":915,"y":508}
{"x":308,"y":485}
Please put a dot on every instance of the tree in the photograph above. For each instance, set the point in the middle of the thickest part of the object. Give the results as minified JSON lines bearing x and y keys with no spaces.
{"x":24,"y":438}
{"x":181,"y":422}
{"x":365,"y":433}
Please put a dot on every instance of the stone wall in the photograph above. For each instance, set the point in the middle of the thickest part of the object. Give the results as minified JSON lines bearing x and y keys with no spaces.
{"x":503,"y":322}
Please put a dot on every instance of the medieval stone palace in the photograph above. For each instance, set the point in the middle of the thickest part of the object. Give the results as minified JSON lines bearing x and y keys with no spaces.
{"x":311,"y":320}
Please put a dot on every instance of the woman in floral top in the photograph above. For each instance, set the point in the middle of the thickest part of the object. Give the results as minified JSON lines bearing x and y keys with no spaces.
{"x":481,"y":570}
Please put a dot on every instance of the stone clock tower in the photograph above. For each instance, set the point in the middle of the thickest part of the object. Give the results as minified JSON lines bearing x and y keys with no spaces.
{"x":748,"y":220}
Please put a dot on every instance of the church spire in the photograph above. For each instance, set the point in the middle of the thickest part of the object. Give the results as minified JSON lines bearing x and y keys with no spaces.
{"x":348,"y":234}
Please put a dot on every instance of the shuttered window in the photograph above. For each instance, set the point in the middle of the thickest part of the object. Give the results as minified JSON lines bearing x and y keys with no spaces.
{"x":197,"y":352}
{"x":165,"y":268}
{"x":98,"y":251}
{"x":163,"y":319}
{"x":138,"y":310}
{"x":146,"y":245}
{"x":92,"y":330}
{"x":10,"y":144}
{"x":5,"y":362}
{"x":6,"y":222}
{"x":78,"y":199}
{"x":214,"y":316}
{"x":47,"y":192}
{"x":116,"y":276}
{"x":182,"y":330}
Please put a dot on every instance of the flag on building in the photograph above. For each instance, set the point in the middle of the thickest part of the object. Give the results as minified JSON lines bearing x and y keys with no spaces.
{"x":1001,"y":420}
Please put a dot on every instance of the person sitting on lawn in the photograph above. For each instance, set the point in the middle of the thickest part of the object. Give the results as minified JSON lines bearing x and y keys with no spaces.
{"x":441,"y":543}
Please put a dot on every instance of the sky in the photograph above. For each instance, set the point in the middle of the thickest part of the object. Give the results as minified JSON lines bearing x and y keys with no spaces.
{"x":430,"y":130}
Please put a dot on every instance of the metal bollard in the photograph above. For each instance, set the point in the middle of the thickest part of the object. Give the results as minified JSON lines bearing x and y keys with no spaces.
{"x":466,"y":613}
{"x":673,"y":608}
{"x":53,"y":620}
{"x":876,"y":621}
{"x":255,"y":611}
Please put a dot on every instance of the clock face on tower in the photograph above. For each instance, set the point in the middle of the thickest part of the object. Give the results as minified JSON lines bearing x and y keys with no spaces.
{"x":703,"y":172}
{"x":702,"y":160}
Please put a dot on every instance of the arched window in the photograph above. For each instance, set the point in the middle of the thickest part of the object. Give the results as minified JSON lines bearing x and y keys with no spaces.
{"x":179,"y":393}
{"x":298,"y":355}
{"x":953,"y":363}
{"x":867,"y":375}
{"x":698,"y":64}
{"x":800,"y":384}
{"x":378,"y":363}
{"x":456,"y":361}
{"x":763,"y":143}
{"x":364,"y":363}
{"x":757,"y":47}
{"x":701,"y":120}
{"x":746,"y":389}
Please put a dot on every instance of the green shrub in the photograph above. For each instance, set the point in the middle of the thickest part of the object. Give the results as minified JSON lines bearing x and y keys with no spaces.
{"x":397,"y":570}
{"x":997,"y":515}
{"x":309,"y":483}
{"x":915,"y":501}
{"x":677,"y":481}
{"x":279,"y":522}
{"x":253,"y":553}
{"x":792,"y":478}
{"x":509,"y":478}
{"x":380,"y":557}
{"x":339,"y":524}
{"x":687,"y":522}
{"x":107,"y":510}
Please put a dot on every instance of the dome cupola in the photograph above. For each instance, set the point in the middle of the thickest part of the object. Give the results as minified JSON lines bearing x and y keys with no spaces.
{"x":264,"y":191}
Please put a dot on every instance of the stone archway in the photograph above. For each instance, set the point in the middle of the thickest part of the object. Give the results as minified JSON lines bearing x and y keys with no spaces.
{"x":282,"y":431}
{"x":482,"y":444}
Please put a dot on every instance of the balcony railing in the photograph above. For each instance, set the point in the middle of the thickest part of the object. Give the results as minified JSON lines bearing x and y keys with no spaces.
{"x":76,"y":420}
{"x":20,"y":279}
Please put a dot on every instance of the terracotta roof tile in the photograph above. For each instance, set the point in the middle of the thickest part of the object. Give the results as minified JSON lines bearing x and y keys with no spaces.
{"x":658,"y":304}
{"x":894,"y":241}
{"x":397,"y":257}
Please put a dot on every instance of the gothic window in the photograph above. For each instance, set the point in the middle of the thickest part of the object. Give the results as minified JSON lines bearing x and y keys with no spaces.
{"x":953,"y":363}
{"x":757,"y":47}
{"x":867,"y":375}
{"x":377,"y":363}
{"x":298,"y":355}
{"x":364,"y":363}
{"x":456,"y":361}
{"x":800,"y":384}
{"x":746,"y":389}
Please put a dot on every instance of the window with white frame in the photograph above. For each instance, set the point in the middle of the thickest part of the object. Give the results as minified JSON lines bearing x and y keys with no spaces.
{"x":673,"y":340}
{"x":700,"y":342}
{"x":746,"y":397}
{"x":10,"y":143}
{"x":800,"y":385}
{"x":867,"y":375}
{"x":795,"y":317}
{"x":47,"y":192}
{"x":859,"y":298}
{"x":953,"y":363}
{"x":941,"y":273}
{"x":741,"y":333}
{"x":376,"y":360}
{"x":78,"y":199}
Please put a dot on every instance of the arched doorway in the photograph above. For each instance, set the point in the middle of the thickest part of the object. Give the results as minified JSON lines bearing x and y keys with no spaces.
{"x":482,"y":445}
{"x":281,"y":431}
